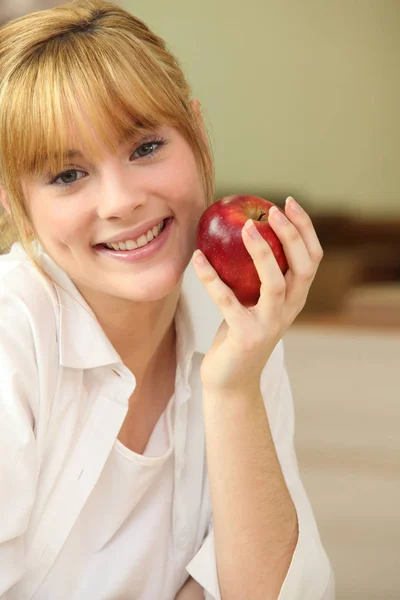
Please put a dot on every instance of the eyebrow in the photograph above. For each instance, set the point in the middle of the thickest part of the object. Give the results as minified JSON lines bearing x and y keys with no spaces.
{"x":72,"y":154}
{"x":69,"y":154}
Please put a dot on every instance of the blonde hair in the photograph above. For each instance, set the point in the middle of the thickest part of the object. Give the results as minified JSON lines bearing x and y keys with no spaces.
{"x":90,"y":63}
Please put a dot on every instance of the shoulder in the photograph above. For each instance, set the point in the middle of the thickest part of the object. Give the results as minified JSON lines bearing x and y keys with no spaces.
{"x":28,"y":330}
{"x":24,"y":291}
{"x":28,"y":336}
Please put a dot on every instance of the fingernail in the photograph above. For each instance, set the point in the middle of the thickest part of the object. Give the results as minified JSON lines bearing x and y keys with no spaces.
{"x":199,"y":258}
{"x":277,"y":215}
{"x":294,"y":205}
{"x":251,"y":229}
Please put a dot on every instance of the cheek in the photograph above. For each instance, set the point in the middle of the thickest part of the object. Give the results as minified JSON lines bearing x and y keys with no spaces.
{"x":59,"y":224}
{"x":184,"y":186}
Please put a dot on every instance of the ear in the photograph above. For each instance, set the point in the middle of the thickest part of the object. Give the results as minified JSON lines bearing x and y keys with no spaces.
{"x":4,"y":200}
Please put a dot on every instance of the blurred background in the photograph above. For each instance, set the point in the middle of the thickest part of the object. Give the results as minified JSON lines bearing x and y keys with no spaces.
{"x":302,"y":99}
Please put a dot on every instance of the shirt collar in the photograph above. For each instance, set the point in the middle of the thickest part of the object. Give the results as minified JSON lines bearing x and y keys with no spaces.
{"x":82,"y":341}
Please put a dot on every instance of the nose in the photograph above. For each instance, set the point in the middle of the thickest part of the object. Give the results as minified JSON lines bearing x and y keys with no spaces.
{"x":118,"y":197}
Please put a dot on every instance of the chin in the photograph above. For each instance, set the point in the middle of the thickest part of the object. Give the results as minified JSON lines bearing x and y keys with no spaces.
{"x":149,"y":290}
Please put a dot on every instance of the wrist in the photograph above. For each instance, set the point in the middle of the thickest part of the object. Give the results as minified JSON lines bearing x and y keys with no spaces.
{"x":238,"y":396}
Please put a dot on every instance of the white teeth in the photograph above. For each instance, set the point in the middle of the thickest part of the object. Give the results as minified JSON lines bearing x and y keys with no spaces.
{"x":140,"y":242}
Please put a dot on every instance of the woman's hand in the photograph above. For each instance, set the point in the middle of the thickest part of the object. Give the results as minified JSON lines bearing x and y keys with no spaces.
{"x":247,"y":337}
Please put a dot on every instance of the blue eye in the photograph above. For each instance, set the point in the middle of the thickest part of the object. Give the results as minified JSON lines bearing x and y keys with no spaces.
{"x":146,"y":150}
{"x":68,"y":177}
{"x":149,"y":149}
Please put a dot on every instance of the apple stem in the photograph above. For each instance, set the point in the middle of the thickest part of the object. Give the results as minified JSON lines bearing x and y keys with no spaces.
{"x":261,"y":216}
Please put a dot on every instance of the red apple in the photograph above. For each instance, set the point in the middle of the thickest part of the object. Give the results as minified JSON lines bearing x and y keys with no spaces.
{"x":219,"y":237}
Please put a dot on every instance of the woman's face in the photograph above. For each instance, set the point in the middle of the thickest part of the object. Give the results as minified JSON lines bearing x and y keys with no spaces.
{"x":90,"y":203}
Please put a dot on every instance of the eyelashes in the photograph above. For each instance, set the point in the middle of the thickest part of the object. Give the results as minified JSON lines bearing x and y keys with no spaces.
{"x":66,"y":175}
{"x":158,"y":142}
{"x":146,"y":150}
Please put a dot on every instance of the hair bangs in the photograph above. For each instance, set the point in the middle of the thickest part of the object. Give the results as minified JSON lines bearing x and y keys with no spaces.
{"x":84,"y":76}
{"x":81,"y":93}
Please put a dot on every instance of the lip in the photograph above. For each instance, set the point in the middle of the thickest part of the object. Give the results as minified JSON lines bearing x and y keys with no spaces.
{"x":133,"y":234}
{"x":142,"y":253}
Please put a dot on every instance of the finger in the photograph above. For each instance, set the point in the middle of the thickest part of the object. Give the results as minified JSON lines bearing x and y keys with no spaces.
{"x":304,"y":224}
{"x":220,"y":293}
{"x":273,"y":285}
{"x":303,"y":251}
{"x":296,"y":251}
{"x":296,"y":296}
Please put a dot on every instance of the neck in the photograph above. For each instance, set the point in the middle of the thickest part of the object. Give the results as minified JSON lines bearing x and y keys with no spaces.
{"x":143,"y":335}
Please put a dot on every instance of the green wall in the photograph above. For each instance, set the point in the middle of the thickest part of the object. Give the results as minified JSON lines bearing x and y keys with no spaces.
{"x":301,"y":97}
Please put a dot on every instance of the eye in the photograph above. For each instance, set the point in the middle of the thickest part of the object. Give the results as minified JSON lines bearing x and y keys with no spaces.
{"x":68,"y":177}
{"x":148,"y":149}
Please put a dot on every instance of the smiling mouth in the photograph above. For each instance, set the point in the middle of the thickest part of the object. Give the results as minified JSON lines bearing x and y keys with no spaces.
{"x":143,"y":241}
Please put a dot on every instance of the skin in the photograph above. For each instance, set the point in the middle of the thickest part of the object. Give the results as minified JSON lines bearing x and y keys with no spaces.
{"x":134,"y":303}
{"x":191,"y":590}
{"x":258,"y":521}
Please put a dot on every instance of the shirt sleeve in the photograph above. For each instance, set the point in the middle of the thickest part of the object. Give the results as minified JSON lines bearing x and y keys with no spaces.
{"x":18,"y":453}
{"x":310,"y":575}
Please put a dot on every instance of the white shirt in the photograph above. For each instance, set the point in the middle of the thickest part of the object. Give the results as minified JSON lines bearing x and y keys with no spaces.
{"x":64,"y":394}
{"x":122,"y":541}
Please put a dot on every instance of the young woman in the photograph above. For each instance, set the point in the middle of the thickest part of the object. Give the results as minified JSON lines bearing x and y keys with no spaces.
{"x":146,"y":417}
